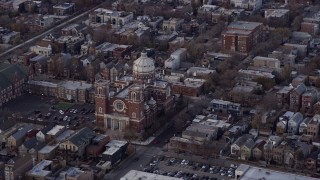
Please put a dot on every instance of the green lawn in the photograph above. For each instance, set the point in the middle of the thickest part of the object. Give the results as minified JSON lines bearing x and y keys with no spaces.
{"x":63,"y":105}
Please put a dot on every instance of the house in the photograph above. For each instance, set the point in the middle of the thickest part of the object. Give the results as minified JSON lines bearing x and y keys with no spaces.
{"x":42,"y":50}
{"x":257,"y":152}
{"x":63,"y":9}
{"x":27,"y":145}
{"x":16,"y":139}
{"x":253,"y":5}
{"x":47,"y":152}
{"x":295,"y":97}
{"x":97,"y":146}
{"x":304,"y":126}
{"x":282,"y":125}
{"x":294,"y":123}
{"x":115,"y":151}
{"x":266,"y":62}
{"x":308,"y":99}
{"x":106,"y":16}
{"x":16,"y":167}
{"x":246,"y":149}
{"x":78,"y":142}
{"x":226,"y":107}
{"x":283,"y":96}
{"x":313,"y":126}
{"x":12,"y":78}
{"x":236,"y":146}
{"x":172,"y":24}
{"x":55,"y":132}
{"x":41,"y":135}
{"x":41,"y":171}
{"x":310,"y":162}
{"x":33,"y":151}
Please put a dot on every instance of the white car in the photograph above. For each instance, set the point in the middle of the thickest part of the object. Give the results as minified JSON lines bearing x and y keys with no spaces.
{"x":65,"y":118}
{"x":61,"y":112}
{"x":75,"y":111}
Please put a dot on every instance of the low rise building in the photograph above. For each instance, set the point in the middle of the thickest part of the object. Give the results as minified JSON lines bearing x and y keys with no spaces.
{"x":64,"y":9}
{"x":139,"y":175}
{"x":189,"y":87}
{"x":115,"y":151}
{"x":172,"y":24}
{"x":17,"y":167}
{"x":105,"y":16}
{"x":40,"y":171}
{"x":226,"y":107}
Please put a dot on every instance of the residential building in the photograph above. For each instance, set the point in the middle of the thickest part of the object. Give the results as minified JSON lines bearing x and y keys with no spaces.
{"x":253,"y":5}
{"x":200,"y":72}
{"x":12,"y":79}
{"x":303,"y":129}
{"x":115,"y":151}
{"x":42,"y":50}
{"x":226,"y":106}
{"x":64,"y":9}
{"x":241,"y":36}
{"x":41,"y":135}
{"x":46,"y":21}
{"x":27,"y":145}
{"x":47,"y":152}
{"x":296,"y":97}
{"x":281,"y":15}
{"x":258,"y":152}
{"x":6,"y":124}
{"x":55,"y":132}
{"x":246,"y":149}
{"x":254,"y":74}
{"x":173,"y":62}
{"x":78,"y":142}
{"x":8,"y":37}
{"x":16,"y":167}
{"x":236,"y":146}
{"x":283,"y":96}
{"x":189,"y":87}
{"x":294,"y":123}
{"x":105,"y":16}
{"x":200,"y":132}
{"x":266,"y":62}
{"x":311,"y":162}
{"x":40,"y":171}
{"x":172,"y":24}
{"x":310,"y":27}
{"x":97,"y":146}
{"x":313,"y":126}
{"x":16,"y":139}
{"x":308,"y":99}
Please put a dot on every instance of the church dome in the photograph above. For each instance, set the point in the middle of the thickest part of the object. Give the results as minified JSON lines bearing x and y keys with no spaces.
{"x":143,"y":64}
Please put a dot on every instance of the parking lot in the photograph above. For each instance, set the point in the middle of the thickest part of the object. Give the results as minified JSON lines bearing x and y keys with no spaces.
{"x":44,"y":110}
{"x":188,"y":170}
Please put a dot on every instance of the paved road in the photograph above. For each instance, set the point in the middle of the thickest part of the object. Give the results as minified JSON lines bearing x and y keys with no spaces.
{"x":144,"y":153}
{"x":60,"y":26}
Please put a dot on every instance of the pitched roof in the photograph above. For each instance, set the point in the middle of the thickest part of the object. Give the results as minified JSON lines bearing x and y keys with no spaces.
{"x":22,"y":132}
{"x":47,"y":128}
{"x":301,"y":88}
{"x":83,"y":135}
{"x":249,"y":144}
{"x":30,"y":143}
{"x":7,"y":72}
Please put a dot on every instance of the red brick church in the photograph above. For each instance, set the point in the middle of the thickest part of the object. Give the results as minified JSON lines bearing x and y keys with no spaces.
{"x":132,"y":102}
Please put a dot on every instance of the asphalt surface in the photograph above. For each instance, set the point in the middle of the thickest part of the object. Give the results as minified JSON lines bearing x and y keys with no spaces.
{"x":144,"y":155}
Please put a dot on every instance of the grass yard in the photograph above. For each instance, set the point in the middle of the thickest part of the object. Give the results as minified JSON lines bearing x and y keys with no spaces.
{"x":64,"y":105}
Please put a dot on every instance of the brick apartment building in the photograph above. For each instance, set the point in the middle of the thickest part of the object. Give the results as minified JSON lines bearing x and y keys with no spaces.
{"x":241,"y":36}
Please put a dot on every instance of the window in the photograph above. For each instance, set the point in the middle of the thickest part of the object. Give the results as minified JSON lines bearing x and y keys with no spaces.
{"x":100,"y":109}
{"x":134,"y":96}
{"x":134,"y":115}
{"x":99,"y":91}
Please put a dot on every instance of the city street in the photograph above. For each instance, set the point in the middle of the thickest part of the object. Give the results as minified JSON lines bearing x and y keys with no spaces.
{"x":144,"y":155}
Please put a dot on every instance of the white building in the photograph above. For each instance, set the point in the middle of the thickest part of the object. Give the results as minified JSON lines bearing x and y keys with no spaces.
{"x":46,"y":21}
{"x":247,"y":4}
{"x":140,"y":175}
{"x":173,"y":62}
{"x":105,"y":16}
{"x":40,"y":50}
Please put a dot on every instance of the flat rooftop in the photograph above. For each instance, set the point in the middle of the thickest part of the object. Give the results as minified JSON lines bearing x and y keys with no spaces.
{"x":55,"y":130}
{"x":139,"y":175}
{"x":38,"y":169}
{"x":257,"y":173}
{"x":73,"y":85}
{"x":244,"y":25}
